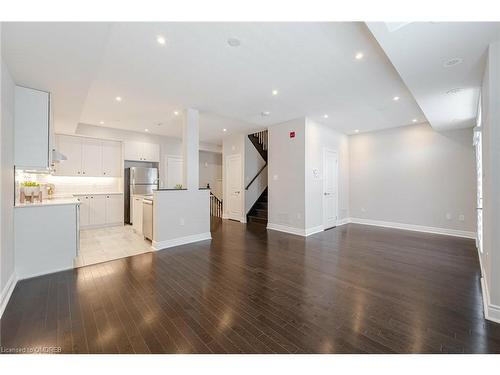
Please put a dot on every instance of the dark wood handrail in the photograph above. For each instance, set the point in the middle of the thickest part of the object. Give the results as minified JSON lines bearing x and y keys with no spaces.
{"x":257,"y":175}
{"x":213,"y":195}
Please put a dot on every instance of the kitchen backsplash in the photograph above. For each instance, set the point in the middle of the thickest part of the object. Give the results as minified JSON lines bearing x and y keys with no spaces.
{"x":67,"y":186}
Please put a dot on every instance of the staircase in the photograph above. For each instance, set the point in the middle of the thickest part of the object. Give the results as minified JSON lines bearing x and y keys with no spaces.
{"x":258,"y":212}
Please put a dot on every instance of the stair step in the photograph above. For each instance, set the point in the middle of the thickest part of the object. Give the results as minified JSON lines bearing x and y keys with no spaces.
{"x":260,"y":213}
{"x":255,"y":219}
{"x":261,"y":205}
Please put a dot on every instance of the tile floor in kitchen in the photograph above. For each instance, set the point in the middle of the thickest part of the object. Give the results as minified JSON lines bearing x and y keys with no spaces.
{"x":103,"y":244}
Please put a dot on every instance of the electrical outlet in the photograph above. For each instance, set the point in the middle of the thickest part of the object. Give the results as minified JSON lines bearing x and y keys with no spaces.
{"x":461,"y":217}
{"x":275,"y":177}
{"x":448,"y":216}
{"x":182,"y":222}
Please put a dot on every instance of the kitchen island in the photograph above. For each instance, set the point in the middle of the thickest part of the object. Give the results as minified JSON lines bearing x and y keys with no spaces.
{"x":46,"y":236}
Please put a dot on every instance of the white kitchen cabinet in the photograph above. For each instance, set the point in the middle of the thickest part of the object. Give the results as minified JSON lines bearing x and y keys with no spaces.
{"x":84,"y":210}
{"x":91,"y":157}
{"x":141,"y":151}
{"x":137,"y":214}
{"x":111,"y":158}
{"x":88,"y":157}
{"x":114,"y":209}
{"x":71,"y":147}
{"x":32,"y":128}
{"x":97,"y":210}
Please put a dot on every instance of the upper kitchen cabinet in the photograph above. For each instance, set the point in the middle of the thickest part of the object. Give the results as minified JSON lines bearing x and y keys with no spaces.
{"x":111,"y":158}
{"x":32,"y":128}
{"x":141,"y":151}
{"x":88,"y":157}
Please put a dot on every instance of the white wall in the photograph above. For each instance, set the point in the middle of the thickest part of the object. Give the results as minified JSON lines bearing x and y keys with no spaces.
{"x":319,"y":137}
{"x":233,"y":145}
{"x":286,"y":166}
{"x":491,"y":181}
{"x":211,"y":172}
{"x":414,"y":175}
{"x":7,"y":259}
{"x":180,"y":216}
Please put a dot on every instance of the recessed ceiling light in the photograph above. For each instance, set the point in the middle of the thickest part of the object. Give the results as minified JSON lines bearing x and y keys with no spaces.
{"x":101,"y":122}
{"x":359,"y":56}
{"x":161,"y":40}
{"x":414,"y":120}
{"x":452,"y":62}
{"x":176,"y":113}
{"x":275,"y":92}
{"x":396,"y":98}
{"x":146,"y":130}
{"x":224,"y":130}
{"x":234,"y":42}
{"x":453,"y":91}
{"x":356,"y":131}
{"x":325,"y":116}
{"x":118,"y":98}
{"x":265,"y":113}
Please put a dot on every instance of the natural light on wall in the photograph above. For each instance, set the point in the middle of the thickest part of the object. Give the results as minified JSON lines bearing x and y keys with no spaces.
{"x":479,"y":168}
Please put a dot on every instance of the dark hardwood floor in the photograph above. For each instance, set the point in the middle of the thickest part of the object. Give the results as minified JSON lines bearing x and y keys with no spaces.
{"x":352,"y":289}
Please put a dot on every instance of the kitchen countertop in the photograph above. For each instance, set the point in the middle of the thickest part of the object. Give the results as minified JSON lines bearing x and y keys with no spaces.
{"x":49,"y":202}
{"x":105,"y":193}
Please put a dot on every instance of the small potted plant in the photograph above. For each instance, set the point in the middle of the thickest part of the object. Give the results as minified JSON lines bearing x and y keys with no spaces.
{"x":31,"y":188}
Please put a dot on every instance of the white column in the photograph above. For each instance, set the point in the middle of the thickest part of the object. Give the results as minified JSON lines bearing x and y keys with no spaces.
{"x":190,"y":148}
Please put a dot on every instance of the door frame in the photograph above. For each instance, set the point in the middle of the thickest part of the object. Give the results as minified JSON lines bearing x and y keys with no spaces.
{"x":325,"y":151}
{"x":228,"y":215}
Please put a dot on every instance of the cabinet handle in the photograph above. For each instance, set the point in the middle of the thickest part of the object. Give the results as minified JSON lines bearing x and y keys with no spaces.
{"x":104,"y":172}
{"x":107,"y":196}
{"x":92,"y":197}
{"x":86,"y":197}
{"x":83,"y":172}
{"x":78,"y":172}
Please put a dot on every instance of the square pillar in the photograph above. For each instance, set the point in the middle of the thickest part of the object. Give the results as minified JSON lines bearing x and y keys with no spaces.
{"x":190,"y":148}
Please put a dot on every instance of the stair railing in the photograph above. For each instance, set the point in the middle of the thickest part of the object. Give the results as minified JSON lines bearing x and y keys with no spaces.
{"x":215,"y":206}
{"x":257,"y":175}
{"x":262,"y":138}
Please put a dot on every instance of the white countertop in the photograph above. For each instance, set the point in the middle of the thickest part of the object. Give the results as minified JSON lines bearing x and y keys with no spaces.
{"x":105,"y":193}
{"x":49,"y":202}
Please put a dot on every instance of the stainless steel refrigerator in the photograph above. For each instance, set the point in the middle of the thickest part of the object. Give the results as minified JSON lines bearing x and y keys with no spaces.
{"x":138,"y":181}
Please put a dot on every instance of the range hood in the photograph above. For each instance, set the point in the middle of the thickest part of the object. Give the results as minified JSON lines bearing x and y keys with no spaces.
{"x":57,"y":156}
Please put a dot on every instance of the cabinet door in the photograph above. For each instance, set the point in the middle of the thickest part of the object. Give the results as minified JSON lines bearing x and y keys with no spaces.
{"x":111,"y":158}
{"x":114,"y":209}
{"x":97,"y":209}
{"x":71,"y":147}
{"x":133,"y":150}
{"x":151,"y":152}
{"x":31,"y":128}
{"x":137,"y":220}
{"x":84,"y":210}
{"x":91,"y":157}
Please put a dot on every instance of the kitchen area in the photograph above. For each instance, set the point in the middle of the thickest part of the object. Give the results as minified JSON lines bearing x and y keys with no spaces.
{"x":83,"y":198}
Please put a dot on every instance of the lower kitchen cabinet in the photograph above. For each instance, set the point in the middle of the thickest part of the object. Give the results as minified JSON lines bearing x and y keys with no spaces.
{"x":99,"y":210}
{"x":137,"y":213}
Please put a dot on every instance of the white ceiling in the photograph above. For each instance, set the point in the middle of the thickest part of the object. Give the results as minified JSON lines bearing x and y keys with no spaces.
{"x":86,"y":65}
{"x":419,"y":50}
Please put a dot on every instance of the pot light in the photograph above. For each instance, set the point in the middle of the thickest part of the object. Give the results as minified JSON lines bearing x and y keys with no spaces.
{"x":356,"y":131}
{"x":325,"y":116}
{"x":275,"y":92}
{"x":161,"y":40}
{"x":101,"y":122}
{"x":265,"y":113}
{"x":224,"y":130}
{"x":176,"y":113}
{"x":146,"y":130}
{"x":234,"y":42}
{"x":454,"y":91}
{"x":118,"y":98}
{"x":396,"y":98}
{"x":452,"y":62}
{"x":359,"y":56}
{"x":414,"y":120}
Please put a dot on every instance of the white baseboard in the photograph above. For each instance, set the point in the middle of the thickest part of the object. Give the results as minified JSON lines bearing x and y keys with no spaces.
{"x":340,"y":222}
{"x":416,"y":228}
{"x":491,"y":311}
{"x":242,"y":219}
{"x":7,"y":292}
{"x":160,"y":245}
{"x":296,"y":231}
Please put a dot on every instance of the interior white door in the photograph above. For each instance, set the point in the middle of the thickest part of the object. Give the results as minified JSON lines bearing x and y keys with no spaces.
{"x":92,"y":158}
{"x":234,"y":187}
{"x":175,"y":171}
{"x":330,"y":188}
{"x":111,"y":158}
